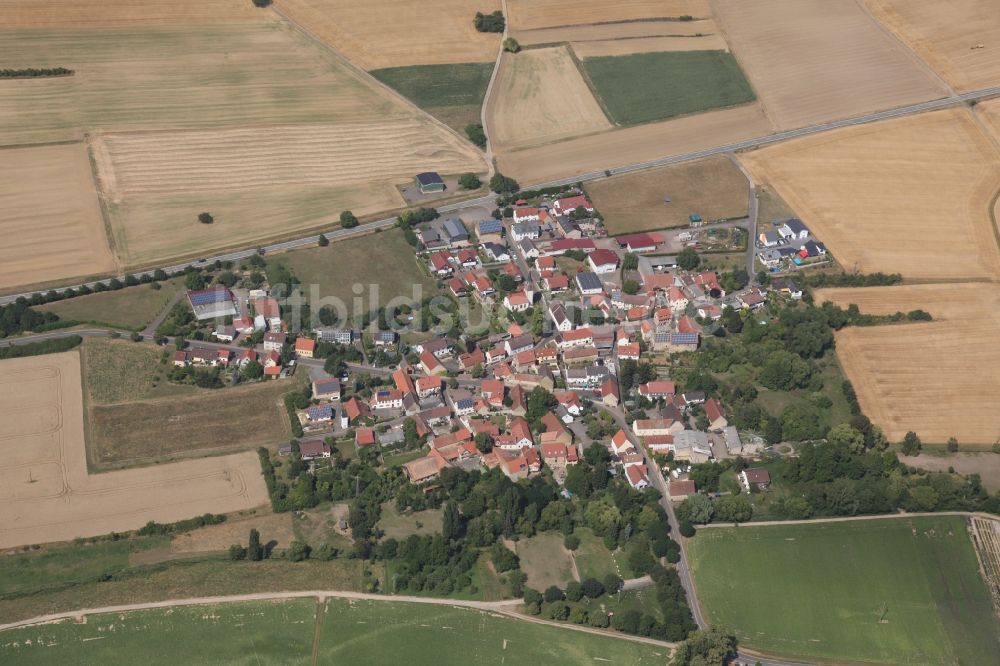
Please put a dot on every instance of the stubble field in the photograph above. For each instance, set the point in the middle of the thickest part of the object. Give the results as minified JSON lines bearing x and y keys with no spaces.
{"x":49,"y":496}
{"x":397,"y":33}
{"x":51,"y":220}
{"x":630,"y":37}
{"x":940,"y":379}
{"x":805,"y":71}
{"x":948,"y":36}
{"x":541,"y":97}
{"x":532,"y":14}
{"x":39,"y":13}
{"x":713,"y":188}
{"x":909,"y":195}
{"x":892,"y":591}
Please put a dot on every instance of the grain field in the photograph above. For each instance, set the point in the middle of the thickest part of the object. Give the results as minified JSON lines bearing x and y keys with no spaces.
{"x":396,"y":33}
{"x":541,"y":97}
{"x":50,"y":217}
{"x":630,"y":37}
{"x":909,"y":195}
{"x":531,"y":14}
{"x":47,"y":494}
{"x":959,"y":39}
{"x":48,"y":13}
{"x":812,"y":61}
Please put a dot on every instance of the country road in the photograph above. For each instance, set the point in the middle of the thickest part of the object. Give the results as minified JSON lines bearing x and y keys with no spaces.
{"x":841,"y":519}
{"x":337,"y":233}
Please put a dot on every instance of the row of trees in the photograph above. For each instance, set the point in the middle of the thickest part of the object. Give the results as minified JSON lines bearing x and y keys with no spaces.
{"x":34,"y":72}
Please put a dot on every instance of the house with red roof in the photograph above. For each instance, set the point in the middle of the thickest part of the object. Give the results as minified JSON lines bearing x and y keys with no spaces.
{"x":567,"y":205}
{"x":364,"y":437}
{"x":658,"y":389}
{"x":305,"y":347}
{"x":716,"y":416}
{"x":603,"y":261}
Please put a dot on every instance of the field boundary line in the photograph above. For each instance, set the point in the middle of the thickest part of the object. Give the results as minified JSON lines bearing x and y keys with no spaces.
{"x":109,"y":230}
{"x":488,"y":95}
{"x":843,"y":519}
{"x":590,"y":86}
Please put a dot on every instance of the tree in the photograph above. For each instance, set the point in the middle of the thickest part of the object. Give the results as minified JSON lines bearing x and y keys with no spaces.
{"x":733,"y":509}
{"x":298,"y":551}
{"x":592,"y":588}
{"x":252,"y":370}
{"x":688,"y":259}
{"x":255,"y":552}
{"x":612,"y":583}
{"x":559,"y":611}
{"x":237,"y":552}
{"x":484,"y":442}
{"x":494,"y":22}
{"x":572,"y":541}
{"x":574,"y":591}
{"x":532,"y":596}
{"x":952,"y":445}
{"x":552,"y":594}
{"x":731,"y":320}
{"x":715,"y":645}
{"x":911,"y":444}
{"x":843,"y":434}
{"x":194,"y":281}
{"x":477,"y":371}
{"x":696,"y":509}
{"x":630,"y":262}
{"x":348,"y":220}
{"x":451,"y":522}
{"x":205,"y":218}
{"x":476,"y":134}
{"x":502,"y":184}
{"x":469,"y":181}
{"x":630,"y":287}
{"x":503,"y":558}
{"x":510,"y":44}
{"x":261,"y":3}
{"x":323,"y":240}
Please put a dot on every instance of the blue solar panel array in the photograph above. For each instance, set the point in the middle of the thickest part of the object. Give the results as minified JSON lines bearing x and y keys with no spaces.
{"x":208,"y":297}
{"x":490,"y":227}
{"x":685,"y":338}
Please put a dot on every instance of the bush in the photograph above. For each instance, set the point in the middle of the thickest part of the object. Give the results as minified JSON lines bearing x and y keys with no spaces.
{"x":205,"y":218}
{"x":552,"y":594}
{"x":494,"y":22}
{"x":574,"y":591}
{"x":502,"y":184}
{"x":298,"y":551}
{"x":572,"y":542}
{"x":469,"y":181}
{"x":503,"y":558}
{"x":32,"y":72}
{"x":261,"y":3}
{"x":323,"y":241}
{"x":686,"y":529}
{"x":348,"y":220}
{"x":476,"y":134}
{"x":510,"y":44}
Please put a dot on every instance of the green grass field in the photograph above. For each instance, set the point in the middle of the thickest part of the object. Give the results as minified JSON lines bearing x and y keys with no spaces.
{"x":452,"y":93}
{"x":266,"y":632}
{"x":399,"y":526}
{"x":383,"y":261}
{"x":545,"y":560}
{"x":893,"y":591}
{"x":643,"y":87}
{"x":377,"y":632}
{"x":593,"y":560}
{"x":130,"y":308}
{"x":30,"y":571}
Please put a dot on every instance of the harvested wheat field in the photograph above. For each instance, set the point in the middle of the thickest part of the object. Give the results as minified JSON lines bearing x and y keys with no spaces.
{"x":47,"y":494}
{"x":541,"y":97}
{"x":909,"y":195}
{"x":531,"y":14}
{"x":395,"y":33}
{"x":900,"y":370}
{"x":566,"y":159}
{"x":348,"y":165}
{"x":617,"y":47}
{"x":988,"y":111}
{"x":51,"y":220}
{"x":632,"y":37}
{"x":713,"y":188}
{"x":960,"y":39}
{"x":275,"y":527}
{"x":805,"y":68}
{"x":44,"y":13}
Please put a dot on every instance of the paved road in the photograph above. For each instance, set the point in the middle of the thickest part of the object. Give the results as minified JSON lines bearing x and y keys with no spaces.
{"x":336,"y":234}
{"x":752,"y":213}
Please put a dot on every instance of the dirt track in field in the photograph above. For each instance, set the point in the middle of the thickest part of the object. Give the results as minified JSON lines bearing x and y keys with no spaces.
{"x":398,"y":33}
{"x":50,"y":218}
{"x":541,"y":97}
{"x":908,"y":195}
{"x":812,"y":61}
{"x":47,"y":494}
{"x":634,"y":144}
{"x":531,"y":14}
{"x":948,"y":35}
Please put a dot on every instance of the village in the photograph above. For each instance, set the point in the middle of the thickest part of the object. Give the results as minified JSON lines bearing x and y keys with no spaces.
{"x":571,"y":310}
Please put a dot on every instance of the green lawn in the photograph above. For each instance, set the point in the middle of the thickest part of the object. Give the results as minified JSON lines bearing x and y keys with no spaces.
{"x":379,"y":632}
{"x":892,"y":591}
{"x":452,"y":93}
{"x":30,"y":571}
{"x":383,"y":264}
{"x":130,"y":308}
{"x":399,"y":526}
{"x":644,"y":87}
{"x":593,"y":560}
{"x":267,"y":632}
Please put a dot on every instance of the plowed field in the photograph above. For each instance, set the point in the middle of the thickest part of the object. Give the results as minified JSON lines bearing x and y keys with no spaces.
{"x":817,"y":60}
{"x":910,"y":195}
{"x":46,"y":492}
{"x":395,"y":33}
{"x":50,"y":218}
{"x":960,"y":39}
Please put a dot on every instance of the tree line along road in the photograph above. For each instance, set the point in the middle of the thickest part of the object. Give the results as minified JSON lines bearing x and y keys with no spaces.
{"x":342,"y":234}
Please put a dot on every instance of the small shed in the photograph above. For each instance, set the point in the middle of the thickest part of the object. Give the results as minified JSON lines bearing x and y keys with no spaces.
{"x":695,"y":220}
{"x":429,"y":181}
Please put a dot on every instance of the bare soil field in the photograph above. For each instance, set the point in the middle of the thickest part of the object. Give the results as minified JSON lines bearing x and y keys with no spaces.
{"x":538,"y":164}
{"x":396,"y":33}
{"x":47,"y":494}
{"x":988,"y":111}
{"x":44,"y":13}
{"x":541,"y":97}
{"x":530,"y":14}
{"x":616,"y":47}
{"x":953,"y":303}
{"x":51,"y":220}
{"x":959,"y":39}
{"x":985,"y":464}
{"x":804,"y":69}
{"x":906,"y":378}
{"x":158,"y":182}
{"x":909,"y":195}
{"x":275,"y":527}
{"x":713,"y":188}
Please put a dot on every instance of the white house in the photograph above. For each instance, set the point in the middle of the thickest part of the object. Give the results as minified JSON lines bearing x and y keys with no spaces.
{"x":603,"y":261}
{"x":517,"y":301}
{"x":559,"y":317}
{"x":793,"y":229}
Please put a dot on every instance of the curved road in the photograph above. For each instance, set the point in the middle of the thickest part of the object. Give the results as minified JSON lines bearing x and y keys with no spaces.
{"x":488,"y":200}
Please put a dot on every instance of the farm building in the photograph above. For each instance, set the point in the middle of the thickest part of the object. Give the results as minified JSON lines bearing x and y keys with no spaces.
{"x":588,"y":283}
{"x":454,"y":231}
{"x":603,"y":261}
{"x":212,"y":303}
{"x":429,"y":182}
{"x":314,"y":449}
{"x":679,"y":490}
{"x":326,"y":389}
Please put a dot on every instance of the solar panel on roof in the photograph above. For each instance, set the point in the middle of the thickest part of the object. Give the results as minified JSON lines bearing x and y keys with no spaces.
{"x":685,"y":338}
{"x":208,"y":297}
{"x":490,"y":227}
